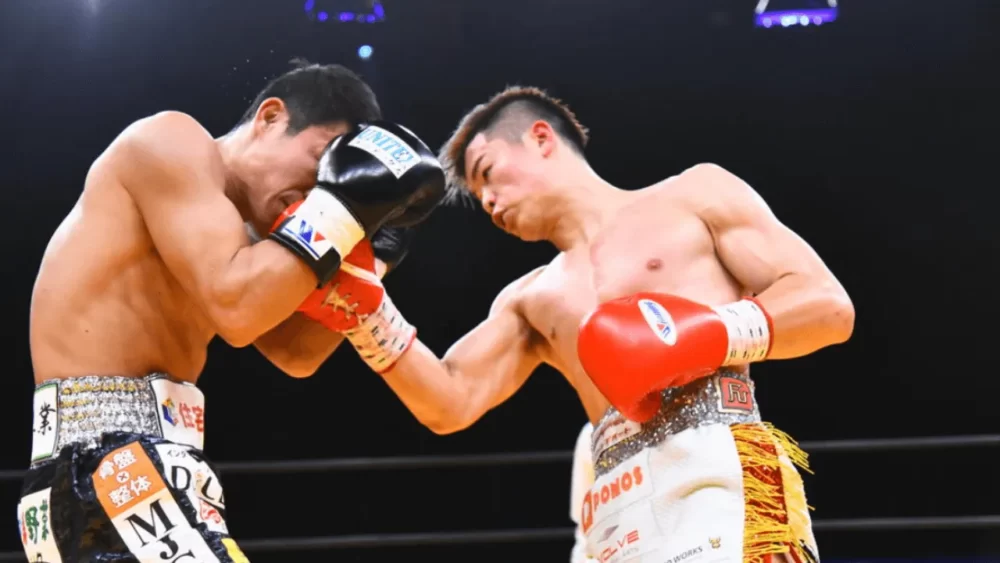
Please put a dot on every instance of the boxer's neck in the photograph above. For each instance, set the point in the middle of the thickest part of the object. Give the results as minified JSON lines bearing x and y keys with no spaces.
{"x":230,"y":146}
{"x":587,"y":203}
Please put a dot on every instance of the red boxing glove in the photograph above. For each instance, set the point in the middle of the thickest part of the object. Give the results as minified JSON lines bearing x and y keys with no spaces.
{"x":356,"y":304}
{"x":352,"y":294}
{"x":634,"y":347}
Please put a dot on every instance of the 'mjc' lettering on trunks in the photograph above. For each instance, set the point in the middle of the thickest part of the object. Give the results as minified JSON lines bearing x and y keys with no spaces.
{"x":379,"y":174}
{"x":122,"y":456}
{"x":141,"y":508}
{"x":671,"y":342}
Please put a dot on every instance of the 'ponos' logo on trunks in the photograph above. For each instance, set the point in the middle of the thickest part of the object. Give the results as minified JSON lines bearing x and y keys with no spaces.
{"x":603,"y":495}
{"x":659,"y":320}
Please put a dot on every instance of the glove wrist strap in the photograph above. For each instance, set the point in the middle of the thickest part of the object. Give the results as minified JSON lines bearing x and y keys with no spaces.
{"x":332,"y":220}
{"x":749,"y":328}
{"x":382,"y":337}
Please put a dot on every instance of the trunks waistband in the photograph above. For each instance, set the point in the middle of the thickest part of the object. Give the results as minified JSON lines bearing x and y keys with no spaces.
{"x":80,"y":410}
{"x":725,"y":397}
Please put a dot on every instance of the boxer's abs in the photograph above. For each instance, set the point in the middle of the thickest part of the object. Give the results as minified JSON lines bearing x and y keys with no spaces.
{"x":104,"y":303}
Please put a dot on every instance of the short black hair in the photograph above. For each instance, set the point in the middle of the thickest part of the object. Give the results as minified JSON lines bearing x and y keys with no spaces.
{"x":507,"y":115}
{"x":317,"y":94}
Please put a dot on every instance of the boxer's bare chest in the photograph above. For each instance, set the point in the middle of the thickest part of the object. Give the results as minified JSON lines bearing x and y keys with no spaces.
{"x":105,"y":303}
{"x":649,"y":246}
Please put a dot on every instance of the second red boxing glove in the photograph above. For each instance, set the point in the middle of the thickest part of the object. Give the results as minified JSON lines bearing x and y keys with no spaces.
{"x":633,"y":348}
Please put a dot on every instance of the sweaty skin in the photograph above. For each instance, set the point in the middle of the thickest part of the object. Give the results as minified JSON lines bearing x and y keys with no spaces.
{"x":703,"y":235}
{"x":154,"y":259}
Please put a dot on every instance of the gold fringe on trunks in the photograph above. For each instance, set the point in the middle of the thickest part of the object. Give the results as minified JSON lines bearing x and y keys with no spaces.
{"x":776,"y":517}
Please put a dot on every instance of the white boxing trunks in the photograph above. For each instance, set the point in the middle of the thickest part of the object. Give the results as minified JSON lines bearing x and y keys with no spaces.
{"x":581,"y":482}
{"x":705,"y":481}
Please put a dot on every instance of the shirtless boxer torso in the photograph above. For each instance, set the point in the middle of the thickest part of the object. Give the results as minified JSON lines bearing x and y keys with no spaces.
{"x":154,"y":261}
{"x":695,"y":475}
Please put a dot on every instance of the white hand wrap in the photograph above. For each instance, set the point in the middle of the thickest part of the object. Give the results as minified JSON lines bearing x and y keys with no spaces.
{"x":382,"y":337}
{"x":749,"y":332}
{"x":331,"y":219}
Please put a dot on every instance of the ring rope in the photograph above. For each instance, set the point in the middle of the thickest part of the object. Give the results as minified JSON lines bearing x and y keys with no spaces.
{"x":550,"y":534}
{"x":533,"y":458}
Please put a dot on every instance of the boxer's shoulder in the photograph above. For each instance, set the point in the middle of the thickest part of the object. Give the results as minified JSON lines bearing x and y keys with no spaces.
{"x":167,"y":144}
{"x":167,"y":126}
{"x":512,"y":296}
{"x":707,"y":190}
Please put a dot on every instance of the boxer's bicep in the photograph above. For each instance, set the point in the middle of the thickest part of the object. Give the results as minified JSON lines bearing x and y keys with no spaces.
{"x":753,"y":245}
{"x":493,"y":360}
{"x":173,"y":171}
{"x":481,"y":370}
{"x":808,"y":306}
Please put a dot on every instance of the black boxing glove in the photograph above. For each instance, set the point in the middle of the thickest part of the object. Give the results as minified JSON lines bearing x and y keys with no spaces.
{"x":391,"y":245}
{"x":378,"y":174}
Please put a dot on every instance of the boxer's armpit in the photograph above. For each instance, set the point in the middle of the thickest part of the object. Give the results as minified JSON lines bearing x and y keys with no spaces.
{"x":172,"y":169}
{"x":808,"y":306}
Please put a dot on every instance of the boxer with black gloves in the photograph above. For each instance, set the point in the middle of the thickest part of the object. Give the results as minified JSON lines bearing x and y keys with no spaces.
{"x":154,"y":261}
{"x":655,"y":307}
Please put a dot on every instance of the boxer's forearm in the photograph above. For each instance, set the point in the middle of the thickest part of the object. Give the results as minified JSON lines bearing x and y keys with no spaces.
{"x":807,"y":314}
{"x":262,"y":286}
{"x":436,"y":393}
{"x":299,"y":345}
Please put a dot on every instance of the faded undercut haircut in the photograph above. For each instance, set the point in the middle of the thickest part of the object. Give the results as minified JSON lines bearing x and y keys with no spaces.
{"x":317,"y":94}
{"x":507,"y":115}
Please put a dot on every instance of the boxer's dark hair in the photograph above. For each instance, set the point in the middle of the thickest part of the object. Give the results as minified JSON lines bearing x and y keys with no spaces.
{"x":317,"y":94}
{"x":507,"y":115}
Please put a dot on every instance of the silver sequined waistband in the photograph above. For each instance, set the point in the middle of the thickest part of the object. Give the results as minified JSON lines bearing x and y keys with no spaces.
{"x":87,"y":407}
{"x":725,"y":397}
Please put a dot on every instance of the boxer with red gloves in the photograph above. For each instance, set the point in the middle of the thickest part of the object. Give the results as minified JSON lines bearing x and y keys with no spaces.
{"x":645,"y":312}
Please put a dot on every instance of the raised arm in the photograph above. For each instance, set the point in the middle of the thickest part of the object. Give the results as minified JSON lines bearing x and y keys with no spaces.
{"x":480,"y":371}
{"x":172,"y":168}
{"x":809,"y":308}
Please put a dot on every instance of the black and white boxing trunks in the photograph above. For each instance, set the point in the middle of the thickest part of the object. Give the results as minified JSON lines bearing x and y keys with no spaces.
{"x":118,"y":474}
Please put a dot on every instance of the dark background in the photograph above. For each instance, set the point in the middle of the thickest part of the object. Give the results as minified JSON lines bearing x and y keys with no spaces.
{"x":872,"y":137}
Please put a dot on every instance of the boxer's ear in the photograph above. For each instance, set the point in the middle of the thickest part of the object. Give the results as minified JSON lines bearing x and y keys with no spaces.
{"x":270,"y":114}
{"x":542,"y":137}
